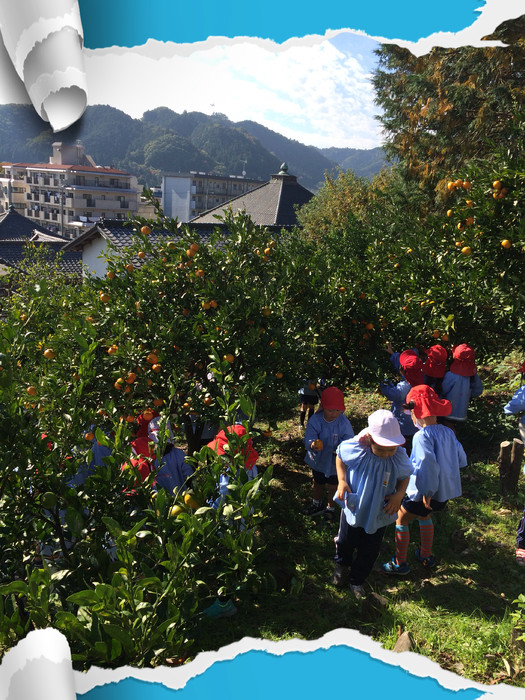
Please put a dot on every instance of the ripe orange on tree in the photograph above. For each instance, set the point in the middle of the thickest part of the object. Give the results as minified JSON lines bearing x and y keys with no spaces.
{"x":152,"y":358}
{"x":131,"y":378}
{"x":194,"y":247}
{"x":228,"y":357}
{"x":112,"y":350}
{"x":49,"y":354}
{"x":110,"y":274}
{"x":199,"y":273}
{"x":207,"y":401}
{"x":104,"y":298}
{"x":147,"y":415}
{"x":31,"y":390}
{"x":279,"y":375}
{"x":89,"y":436}
{"x":129,"y":268}
{"x":506,"y":243}
{"x":141,"y":254}
{"x":145,"y":230}
{"x":119,"y":383}
{"x":156,"y":367}
{"x":466,"y":250}
{"x":435,"y":334}
{"x":158,"y":402}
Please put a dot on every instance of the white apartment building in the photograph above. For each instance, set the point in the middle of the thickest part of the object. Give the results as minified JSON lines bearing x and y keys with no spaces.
{"x":185,"y":196}
{"x":70,"y":193}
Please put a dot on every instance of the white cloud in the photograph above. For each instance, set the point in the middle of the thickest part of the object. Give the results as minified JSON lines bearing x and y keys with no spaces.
{"x":308,"y":90}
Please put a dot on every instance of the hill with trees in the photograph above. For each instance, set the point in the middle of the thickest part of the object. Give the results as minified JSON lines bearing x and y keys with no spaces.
{"x":165,"y":141}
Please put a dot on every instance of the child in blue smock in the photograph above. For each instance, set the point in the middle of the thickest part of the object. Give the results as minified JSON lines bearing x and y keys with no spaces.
{"x":437,"y":457}
{"x":172,"y":472}
{"x":411,"y":370}
{"x":460,"y":384}
{"x":515,"y":406}
{"x":324,"y":431}
{"x":373,"y":471}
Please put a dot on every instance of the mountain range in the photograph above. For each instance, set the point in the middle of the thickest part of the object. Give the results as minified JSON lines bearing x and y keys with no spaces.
{"x":165,"y":141}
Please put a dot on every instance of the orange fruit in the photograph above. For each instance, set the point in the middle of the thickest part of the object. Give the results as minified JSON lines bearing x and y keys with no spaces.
{"x":450,"y":186}
{"x":89,"y":436}
{"x":199,"y":273}
{"x":110,"y":274}
{"x":369,"y":326}
{"x":119,"y":383}
{"x":194,"y":247}
{"x":112,"y":350}
{"x":152,"y":358}
{"x":435,"y":334}
{"x":466,"y":250}
{"x":444,"y":337}
{"x":131,"y":378}
{"x":141,"y":254}
{"x":279,"y":375}
{"x":469,"y":203}
{"x":469,"y":220}
{"x":31,"y":390}
{"x":104,"y":298}
{"x":49,"y":354}
{"x":228,"y":357}
{"x":147,"y":415}
{"x":129,"y":267}
{"x":156,"y":368}
{"x":158,"y":402}
{"x":130,"y":419}
{"x":318,"y":444}
{"x":185,"y":312}
{"x":467,"y":185}
{"x":207,"y":400}
{"x":213,"y":304}
{"x":506,"y":243}
{"x":266,"y":311}
{"x":497,"y":184}
{"x":145,"y":230}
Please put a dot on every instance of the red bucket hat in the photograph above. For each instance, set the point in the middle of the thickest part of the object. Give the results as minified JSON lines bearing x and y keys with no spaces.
{"x":427,"y":402}
{"x":463,"y":363}
{"x":333,"y":399}
{"x":412,"y":367}
{"x":436,"y":362}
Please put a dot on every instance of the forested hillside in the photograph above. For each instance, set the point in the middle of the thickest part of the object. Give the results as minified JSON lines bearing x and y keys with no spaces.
{"x":164,"y":141}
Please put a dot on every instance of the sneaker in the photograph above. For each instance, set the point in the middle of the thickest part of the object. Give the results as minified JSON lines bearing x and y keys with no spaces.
{"x":429,"y":561}
{"x":314,"y":509}
{"x":358,"y":591}
{"x":218,"y":609}
{"x":520,"y":557}
{"x":392,"y":568}
{"x":340,"y":576}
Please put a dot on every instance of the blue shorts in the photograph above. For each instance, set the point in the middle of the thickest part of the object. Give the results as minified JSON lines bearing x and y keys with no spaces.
{"x":320,"y":478}
{"x":418,"y":507}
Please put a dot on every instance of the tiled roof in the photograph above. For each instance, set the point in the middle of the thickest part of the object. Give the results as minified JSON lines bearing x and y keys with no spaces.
{"x":16,"y":227}
{"x":272,"y":204}
{"x":118,"y":232}
{"x":17,"y":231}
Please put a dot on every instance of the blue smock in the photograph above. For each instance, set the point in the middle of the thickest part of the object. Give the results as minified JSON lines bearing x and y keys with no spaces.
{"x":371,"y":479}
{"x":331,"y":434}
{"x":437,"y":457}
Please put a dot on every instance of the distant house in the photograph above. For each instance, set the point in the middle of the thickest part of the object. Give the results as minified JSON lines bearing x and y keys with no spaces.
{"x":17,"y":232}
{"x":93,"y":243}
{"x":272,"y":204}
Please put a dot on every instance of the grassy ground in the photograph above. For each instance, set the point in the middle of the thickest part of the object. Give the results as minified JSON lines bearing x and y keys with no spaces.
{"x":457,"y":613}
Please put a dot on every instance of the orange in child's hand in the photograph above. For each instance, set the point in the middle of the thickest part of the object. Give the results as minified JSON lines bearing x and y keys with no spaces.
{"x":317,"y":444}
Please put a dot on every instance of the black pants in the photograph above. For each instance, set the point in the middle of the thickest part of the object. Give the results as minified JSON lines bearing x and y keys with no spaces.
{"x":357,"y":549}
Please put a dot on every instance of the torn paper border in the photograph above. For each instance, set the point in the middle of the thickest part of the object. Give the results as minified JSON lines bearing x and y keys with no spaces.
{"x":44,"y":41}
